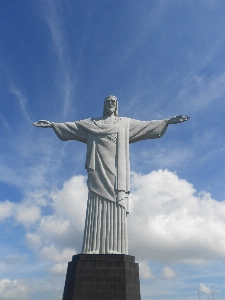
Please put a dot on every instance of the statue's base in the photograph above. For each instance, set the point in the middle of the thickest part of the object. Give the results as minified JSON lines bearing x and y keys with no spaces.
{"x":102,"y":276}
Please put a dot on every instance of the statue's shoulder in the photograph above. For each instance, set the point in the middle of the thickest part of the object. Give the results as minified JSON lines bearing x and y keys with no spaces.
{"x":100,"y":120}
{"x":123,"y":118}
{"x":89,"y":123}
{"x":95,"y":119}
{"x":89,"y":120}
{"x":104,"y":118}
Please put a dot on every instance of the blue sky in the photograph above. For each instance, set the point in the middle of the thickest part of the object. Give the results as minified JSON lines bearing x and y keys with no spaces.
{"x":59,"y":60}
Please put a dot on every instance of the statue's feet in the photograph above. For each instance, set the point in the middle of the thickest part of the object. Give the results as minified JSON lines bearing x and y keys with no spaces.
{"x":113,"y":252}
{"x":108,"y":252}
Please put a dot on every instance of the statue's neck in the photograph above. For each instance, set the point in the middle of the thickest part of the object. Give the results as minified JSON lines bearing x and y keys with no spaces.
{"x":110,"y":117}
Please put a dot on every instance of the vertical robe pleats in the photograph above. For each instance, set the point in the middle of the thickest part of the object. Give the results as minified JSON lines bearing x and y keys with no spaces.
{"x":105,"y":226}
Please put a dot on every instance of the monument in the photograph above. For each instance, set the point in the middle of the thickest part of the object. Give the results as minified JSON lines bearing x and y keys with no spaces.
{"x":105,"y":242}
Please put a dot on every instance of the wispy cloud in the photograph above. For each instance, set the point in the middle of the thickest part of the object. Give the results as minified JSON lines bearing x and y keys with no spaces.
{"x":55,"y":26}
{"x":54,"y":20}
{"x":169,"y":273}
{"x":22,"y":99}
{"x":199,"y":91}
{"x":145,"y":271}
{"x":5,"y":124}
{"x":166,"y":157}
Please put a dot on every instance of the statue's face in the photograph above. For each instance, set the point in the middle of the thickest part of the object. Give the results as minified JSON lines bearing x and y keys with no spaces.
{"x":110,"y":106}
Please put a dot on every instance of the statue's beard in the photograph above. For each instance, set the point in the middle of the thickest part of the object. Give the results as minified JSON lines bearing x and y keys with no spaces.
{"x":111,"y":111}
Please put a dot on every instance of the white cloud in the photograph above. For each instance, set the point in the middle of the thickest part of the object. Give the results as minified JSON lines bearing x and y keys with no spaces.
{"x":144,"y":270}
{"x":13,"y":289}
{"x":34,"y":240}
{"x":28,"y":214}
{"x":53,"y":226}
{"x":57,"y":236}
{"x":52,"y":253}
{"x":10,"y":261}
{"x":70,"y":202}
{"x":169,"y":273}
{"x":61,"y":257}
{"x":6,"y":209}
{"x":53,"y":237}
{"x":25,"y":213}
{"x":204,"y":289}
{"x":170,"y":223}
{"x":59,"y":268}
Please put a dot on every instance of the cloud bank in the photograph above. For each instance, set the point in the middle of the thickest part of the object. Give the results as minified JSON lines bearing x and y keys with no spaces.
{"x":11,"y":289}
{"x":169,"y":222}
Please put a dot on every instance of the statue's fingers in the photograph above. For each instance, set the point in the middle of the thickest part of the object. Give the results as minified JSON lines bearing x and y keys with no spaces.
{"x":186,"y":118}
{"x":44,"y":122}
{"x":37,"y":124}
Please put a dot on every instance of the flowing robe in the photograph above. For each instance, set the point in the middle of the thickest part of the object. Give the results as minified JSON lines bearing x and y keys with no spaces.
{"x":108,"y":167}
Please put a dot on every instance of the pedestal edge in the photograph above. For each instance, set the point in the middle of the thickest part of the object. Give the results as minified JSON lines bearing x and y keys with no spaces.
{"x":108,"y":257}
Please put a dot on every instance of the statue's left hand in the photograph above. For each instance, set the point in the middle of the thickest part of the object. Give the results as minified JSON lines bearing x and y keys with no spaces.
{"x":177,"y":119}
{"x":43,"y":123}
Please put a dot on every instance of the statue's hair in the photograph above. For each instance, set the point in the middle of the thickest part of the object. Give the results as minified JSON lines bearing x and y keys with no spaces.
{"x":116,"y":110}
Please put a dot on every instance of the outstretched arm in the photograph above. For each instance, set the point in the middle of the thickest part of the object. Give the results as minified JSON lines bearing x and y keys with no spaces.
{"x":177,"y":119}
{"x":66,"y":131}
{"x":140,"y":130}
{"x":43,"y":124}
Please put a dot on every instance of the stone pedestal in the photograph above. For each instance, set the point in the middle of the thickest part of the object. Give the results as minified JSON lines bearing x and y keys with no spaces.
{"x":102,"y":276}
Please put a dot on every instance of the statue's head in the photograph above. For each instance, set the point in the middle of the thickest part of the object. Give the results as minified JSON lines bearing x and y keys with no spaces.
{"x":110,"y":106}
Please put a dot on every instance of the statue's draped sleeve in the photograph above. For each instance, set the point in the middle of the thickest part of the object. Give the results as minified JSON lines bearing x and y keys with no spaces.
{"x":70,"y":131}
{"x":144,"y":130}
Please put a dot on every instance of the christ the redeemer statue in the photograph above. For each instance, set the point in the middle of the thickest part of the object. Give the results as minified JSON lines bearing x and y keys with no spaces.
{"x":108,"y":167}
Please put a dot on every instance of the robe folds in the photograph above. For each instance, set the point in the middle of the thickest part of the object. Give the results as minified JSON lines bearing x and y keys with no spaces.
{"x":108,"y":167}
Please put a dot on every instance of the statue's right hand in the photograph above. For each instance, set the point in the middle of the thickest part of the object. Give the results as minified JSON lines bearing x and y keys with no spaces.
{"x":43,"y":123}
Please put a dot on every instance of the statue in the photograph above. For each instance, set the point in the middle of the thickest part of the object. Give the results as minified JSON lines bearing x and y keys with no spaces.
{"x":108,"y":167}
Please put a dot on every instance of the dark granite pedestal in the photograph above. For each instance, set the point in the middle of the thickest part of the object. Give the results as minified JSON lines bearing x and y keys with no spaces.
{"x":102,"y":276}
